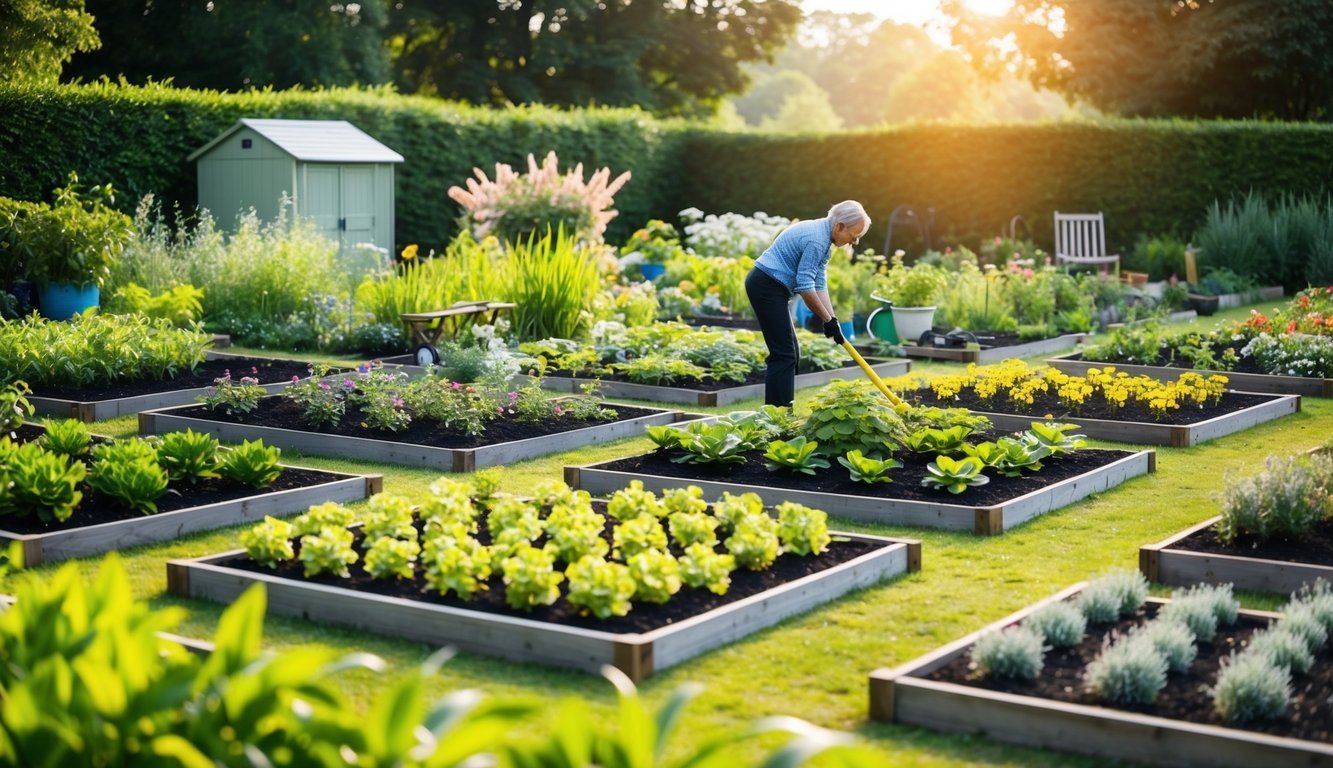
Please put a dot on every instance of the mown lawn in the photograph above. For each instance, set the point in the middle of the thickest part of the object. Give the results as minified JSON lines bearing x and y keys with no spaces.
{"x":815,"y":666}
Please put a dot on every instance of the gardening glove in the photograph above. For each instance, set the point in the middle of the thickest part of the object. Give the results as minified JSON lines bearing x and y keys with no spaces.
{"x":833,"y":330}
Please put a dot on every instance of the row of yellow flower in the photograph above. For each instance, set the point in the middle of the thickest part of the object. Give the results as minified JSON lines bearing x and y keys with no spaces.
{"x":1013,"y":381}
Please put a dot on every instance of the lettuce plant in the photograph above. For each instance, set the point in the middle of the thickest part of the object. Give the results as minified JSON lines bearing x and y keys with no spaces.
{"x":947,"y":441}
{"x":664,"y":436}
{"x":530,"y":577}
{"x":573,"y":531}
{"x":702,"y":566}
{"x":317,"y":517}
{"x":716,"y":444}
{"x":188,"y":456}
{"x":448,"y":503}
{"x":731,"y":509}
{"x":634,"y":501}
{"x":795,"y":455}
{"x":269,"y":542}
{"x":40,"y":482}
{"x":328,"y":551}
{"x":1008,"y":456}
{"x":687,"y":500}
{"x":636,"y":535}
{"x":389,"y":557}
{"x":867,"y":469}
{"x":456,"y":562}
{"x":803,"y":531}
{"x":954,"y":475}
{"x":656,"y":575}
{"x":68,"y":437}
{"x":600,"y":587}
{"x":693,"y":528}
{"x":251,"y":463}
{"x":389,"y":515}
{"x":1054,"y":437}
{"x":754,"y":542}
{"x":851,"y":415}
{"x":136,"y":482}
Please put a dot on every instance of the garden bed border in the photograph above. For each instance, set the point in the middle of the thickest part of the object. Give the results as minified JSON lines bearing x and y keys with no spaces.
{"x":638,"y":655}
{"x":88,"y":540}
{"x":996,"y":354}
{"x":986,"y":521}
{"x":410,"y":454}
{"x":1250,"y":382}
{"x":899,"y":695}
{"x":1180,"y":567}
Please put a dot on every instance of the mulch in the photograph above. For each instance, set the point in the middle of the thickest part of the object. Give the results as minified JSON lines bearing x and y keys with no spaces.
{"x":1314,"y":547}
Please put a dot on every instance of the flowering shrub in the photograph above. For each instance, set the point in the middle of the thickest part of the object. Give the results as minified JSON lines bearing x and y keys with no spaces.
{"x":514,"y":205}
{"x":234,"y":396}
{"x":730,"y":234}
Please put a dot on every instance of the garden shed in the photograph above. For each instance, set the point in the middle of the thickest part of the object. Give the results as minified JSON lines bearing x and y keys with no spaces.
{"x":333,"y":172}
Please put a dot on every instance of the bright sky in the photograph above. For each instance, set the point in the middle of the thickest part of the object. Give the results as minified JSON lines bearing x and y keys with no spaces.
{"x":923,"y":12}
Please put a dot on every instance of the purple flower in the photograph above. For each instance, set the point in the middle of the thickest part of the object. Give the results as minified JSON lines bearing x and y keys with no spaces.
{"x":363,"y":368}
{"x":513,"y":397}
{"x":349,"y":385}
{"x":323,"y":385}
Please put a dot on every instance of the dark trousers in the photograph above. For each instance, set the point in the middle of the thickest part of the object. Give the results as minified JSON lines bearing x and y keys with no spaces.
{"x":770,"y":300}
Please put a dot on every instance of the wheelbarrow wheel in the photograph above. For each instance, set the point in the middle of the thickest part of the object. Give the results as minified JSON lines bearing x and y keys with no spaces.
{"x":426,"y":354}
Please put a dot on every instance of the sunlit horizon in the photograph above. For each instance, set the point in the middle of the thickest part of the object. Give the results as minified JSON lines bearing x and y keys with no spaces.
{"x":923,"y":13}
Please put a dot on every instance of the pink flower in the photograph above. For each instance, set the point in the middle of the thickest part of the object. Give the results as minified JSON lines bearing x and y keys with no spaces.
{"x":295,"y":379}
{"x":455,"y":386}
{"x":558,"y":410}
{"x":498,"y":409}
{"x":254,"y":370}
{"x":323,"y":385}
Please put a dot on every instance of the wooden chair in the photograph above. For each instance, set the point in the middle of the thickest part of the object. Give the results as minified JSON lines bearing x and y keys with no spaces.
{"x":1080,"y":240}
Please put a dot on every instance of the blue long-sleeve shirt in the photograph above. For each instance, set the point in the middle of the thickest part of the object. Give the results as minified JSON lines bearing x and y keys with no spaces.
{"x":798,"y":257}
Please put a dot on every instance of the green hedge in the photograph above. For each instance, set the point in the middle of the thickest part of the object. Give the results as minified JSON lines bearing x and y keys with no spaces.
{"x":138,"y":138}
{"x":1148,"y":177}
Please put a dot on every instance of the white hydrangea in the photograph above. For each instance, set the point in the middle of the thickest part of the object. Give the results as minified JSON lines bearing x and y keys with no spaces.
{"x":730,"y":234}
{"x":607,"y":333}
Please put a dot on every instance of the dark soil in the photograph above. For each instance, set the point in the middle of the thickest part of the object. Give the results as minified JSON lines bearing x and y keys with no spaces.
{"x":1045,"y":403}
{"x":906,"y":480}
{"x":644,"y":617}
{"x":704,"y":385}
{"x":266,"y":370}
{"x":284,"y":414}
{"x":1169,"y":358}
{"x":96,"y":509}
{"x":1314,"y":547}
{"x":740,"y":322}
{"x":1185,"y":696}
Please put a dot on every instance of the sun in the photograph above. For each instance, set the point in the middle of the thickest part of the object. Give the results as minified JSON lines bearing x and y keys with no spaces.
{"x":989,"y":7}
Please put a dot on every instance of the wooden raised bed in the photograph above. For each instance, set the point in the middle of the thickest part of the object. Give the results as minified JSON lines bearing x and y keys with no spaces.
{"x":1174,"y":435}
{"x":1164,"y":564}
{"x":903,"y":695}
{"x":1269,"y":293}
{"x":1247,"y":382}
{"x":98,"y":410}
{"x":699,"y":397}
{"x":150,"y":529}
{"x":410,"y":454}
{"x":638,"y":655}
{"x":984,"y":520}
{"x":996,"y":354}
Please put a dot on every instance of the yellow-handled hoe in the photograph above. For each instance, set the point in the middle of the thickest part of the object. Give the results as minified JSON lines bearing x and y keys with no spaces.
{"x":874,"y":377}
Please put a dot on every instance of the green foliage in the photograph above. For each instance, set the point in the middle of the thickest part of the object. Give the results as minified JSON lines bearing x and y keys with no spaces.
{"x":39,"y":38}
{"x":233,"y":396}
{"x":656,"y":575}
{"x":1162,"y":257}
{"x":803,"y":531}
{"x":530,"y":578}
{"x":14,"y":405}
{"x":636,"y":535}
{"x":188,"y":456}
{"x":575,"y":530}
{"x":796,"y":455}
{"x":328,"y":551}
{"x":1302,"y":620}
{"x":128,"y":471}
{"x":702,"y":566}
{"x":456,"y":562}
{"x":867,"y":469}
{"x":941,"y":442}
{"x":1060,"y":624}
{"x":388,"y":557}
{"x":711,"y":444}
{"x":68,"y":437}
{"x":1287,"y":649}
{"x":553,"y":284}
{"x":634,"y":501}
{"x":388,"y":515}
{"x":1275,"y":243}
{"x":269,"y":542}
{"x":919,"y":285}
{"x":599,"y":587}
{"x":851,"y":415}
{"x":1008,"y":456}
{"x":321,"y":402}
{"x":1173,"y":640}
{"x":1195,"y":613}
{"x":1013,"y":653}
{"x":96,"y":349}
{"x":181,"y":305}
{"x":318,"y":517}
{"x":77,"y":240}
{"x":1053,"y":437}
{"x":1284,"y":501}
{"x":754,"y":542}
{"x":689,"y":528}
{"x":38,"y":482}
{"x":251,"y":463}
{"x":1129,"y":671}
{"x":660,"y":369}
{"x":954,"y":475}
{"x":1251,"y":686}
{"x":1117,"y":593}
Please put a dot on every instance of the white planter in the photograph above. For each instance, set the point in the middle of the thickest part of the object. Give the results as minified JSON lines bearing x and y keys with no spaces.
{"x":912,"y":322}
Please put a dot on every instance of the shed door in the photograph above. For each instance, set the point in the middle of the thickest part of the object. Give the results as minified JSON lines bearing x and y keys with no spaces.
{"x":341,"y":201}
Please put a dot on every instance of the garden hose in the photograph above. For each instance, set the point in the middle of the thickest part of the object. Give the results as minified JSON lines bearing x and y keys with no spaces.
{"x":874,"y":377}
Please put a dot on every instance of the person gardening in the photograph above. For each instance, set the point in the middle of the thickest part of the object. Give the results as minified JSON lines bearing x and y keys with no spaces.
{"x":796,"y":264}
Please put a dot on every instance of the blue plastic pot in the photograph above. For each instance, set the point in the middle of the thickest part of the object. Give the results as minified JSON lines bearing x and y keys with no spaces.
{"x":61,"y":301}
{"x":652,"y":271}
{"x":848,"y":329}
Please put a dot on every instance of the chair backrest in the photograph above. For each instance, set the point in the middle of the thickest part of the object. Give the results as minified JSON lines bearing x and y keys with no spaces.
{"x":1079,"y":236}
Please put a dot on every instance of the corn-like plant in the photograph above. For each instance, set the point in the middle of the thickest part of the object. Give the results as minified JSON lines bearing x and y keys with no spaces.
{"x":1014,"y":653}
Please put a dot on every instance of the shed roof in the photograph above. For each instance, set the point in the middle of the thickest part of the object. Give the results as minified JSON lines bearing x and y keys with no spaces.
{"x":324,"y":141}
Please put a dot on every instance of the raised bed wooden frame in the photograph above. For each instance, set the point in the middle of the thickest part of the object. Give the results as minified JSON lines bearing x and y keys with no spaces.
{"x":410,"y":454}
{"x":638,"y":655}
{"x":1174,"y":435}
{"x":90,"y":540}
{"x":1247,"y":382}
{"x":985,"y":521}
{"x":902,"y":695}
{"x":1180,"y":567}
{"x":97,"y":410}
{"x":996,"y":354}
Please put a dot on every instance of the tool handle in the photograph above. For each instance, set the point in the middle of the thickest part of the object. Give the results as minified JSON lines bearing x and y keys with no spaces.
{"x":870,"y":372}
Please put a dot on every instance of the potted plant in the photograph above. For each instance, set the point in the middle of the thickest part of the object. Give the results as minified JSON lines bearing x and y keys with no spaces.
{"x":913,"y":291}
{"x":70,"y":247}
{"x":649,"y":248}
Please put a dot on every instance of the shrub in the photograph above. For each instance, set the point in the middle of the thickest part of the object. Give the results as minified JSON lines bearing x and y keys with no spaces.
{"x":1286,"y":647}
{"x":1011,"y":653}
{"x":1282,"y":502}
{"x":1173,"y":640}
{"x":1113,"y":595}
{"x":851,"y":415}
{"x":1303,"y":621}
{"x":1218,"y":597}
{"x":1195,"y":612}
{"x":1251,"y":686}
{"x":1130,"y":670}
{"x":1061,"y":624}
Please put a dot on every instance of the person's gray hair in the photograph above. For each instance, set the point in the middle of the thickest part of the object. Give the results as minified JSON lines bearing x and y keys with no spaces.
{"x":849,"y":213}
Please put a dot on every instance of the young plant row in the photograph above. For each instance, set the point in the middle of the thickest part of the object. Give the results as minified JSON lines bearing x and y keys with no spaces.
{"x":385,"y":400}
{"x":96,"y":349}
{"x":48,"y":478}
{"x":464,"y":538}
{"x":1133,"y":667}
{"x":1014,"y":384}
{"x":670,"y":352}
{"x":854,"y":424}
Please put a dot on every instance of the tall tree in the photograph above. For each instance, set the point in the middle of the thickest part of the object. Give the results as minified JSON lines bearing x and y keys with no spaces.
{"x":672,"y":56}
{"x":1194,"y":58}
{"x":37,"y":37}
{"x":238,"y":44}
